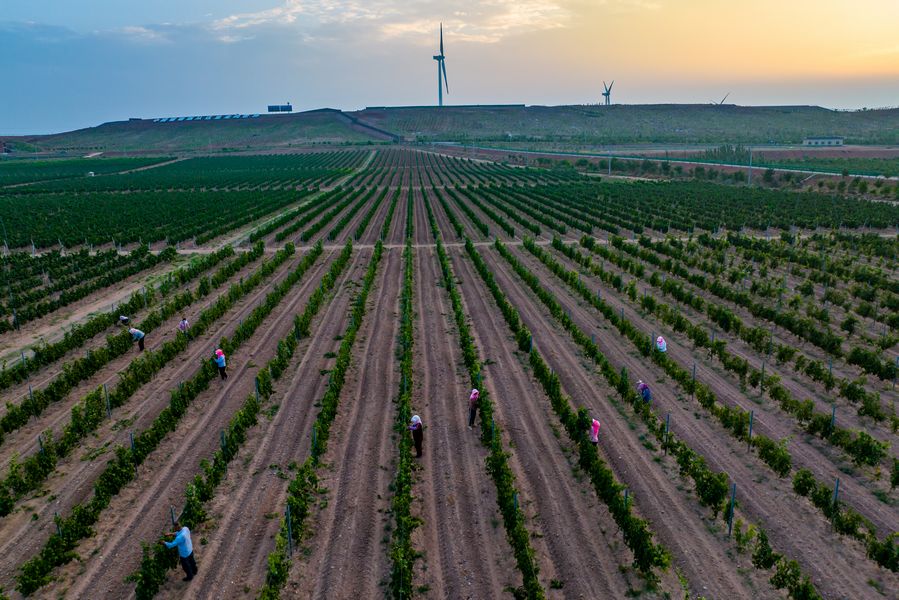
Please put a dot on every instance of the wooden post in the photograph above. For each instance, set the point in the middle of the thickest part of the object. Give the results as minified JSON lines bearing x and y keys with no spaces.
{"x":833,"y":416}
{"x":626,"y":493}
{"x":693,"y":386}
{"x":515,"y":500}
{"x":108,"y":409}
{"x":172,"y":514}
{"x":749,"y":437}
{"x":836,"y":493}
{"x":56,"y":520}
{"x":667,"y":426}
{"x":730,"y":512}
{"x":223,"y":442}
{"x":289,"y":534}
{"x":40,"y":442}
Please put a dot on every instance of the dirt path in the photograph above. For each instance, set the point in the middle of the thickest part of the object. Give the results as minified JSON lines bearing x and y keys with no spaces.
{"x":245,"y":511}
{"x":573,"y":535}
{"x":465,"y":552}
{"x":837,"y":564}
{"x":349,"y":557}
{"x":139,"y":511}
{"x":75,"y":475}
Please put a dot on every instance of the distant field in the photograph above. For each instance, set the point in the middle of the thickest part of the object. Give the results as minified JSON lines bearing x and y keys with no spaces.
{"x":888,"y":167}
{"x":624,"y":124}
{"x":25,"y":171}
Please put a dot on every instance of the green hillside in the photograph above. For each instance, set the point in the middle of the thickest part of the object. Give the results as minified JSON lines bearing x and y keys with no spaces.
{"x":263,"y":132}
{"x":623,"y":124}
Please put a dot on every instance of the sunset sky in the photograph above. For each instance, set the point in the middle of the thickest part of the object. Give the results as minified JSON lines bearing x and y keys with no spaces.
{"x":65,"y":64}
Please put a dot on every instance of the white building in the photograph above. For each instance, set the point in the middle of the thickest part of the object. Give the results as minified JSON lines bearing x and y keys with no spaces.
{"x":823,"y":141}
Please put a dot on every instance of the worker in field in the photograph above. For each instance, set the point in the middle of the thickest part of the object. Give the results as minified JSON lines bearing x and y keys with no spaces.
{"x":644,"y":391}
{"x":594,"y":432}
{"x":417,"y":434}
{"x":184,"y":327}
{"x":138,"y":336}
{"x":123,"y":320}
{"x":185,"y":550}
{"x":661,"y":344}
{"x":220,"y":362}
{"x":473,"y":399}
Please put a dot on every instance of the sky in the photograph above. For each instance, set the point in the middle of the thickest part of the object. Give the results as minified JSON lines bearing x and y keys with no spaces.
{"x":66,"y":65}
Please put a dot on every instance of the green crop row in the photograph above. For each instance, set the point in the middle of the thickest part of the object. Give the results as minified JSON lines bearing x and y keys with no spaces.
{"x":86,"y":416}
{"x":735,"y":420}
{"x":648,"y":555}
{"x":491,"y":436}
{"x":156,"y":559}
{"x":301,"y":491}
{"x":711,"y":488}
{"x":59,"y":549}
{"x":17,"y":415}
{"x":324,"y":202}
{"x":334,"y":211}
{"x":263,"y":230}
{"x":861,"y":447}
{"x":363,"y":224}
{"x":402,"y":554}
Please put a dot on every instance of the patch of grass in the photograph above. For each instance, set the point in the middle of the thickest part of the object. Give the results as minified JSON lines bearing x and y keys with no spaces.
{"x":556,"y":584}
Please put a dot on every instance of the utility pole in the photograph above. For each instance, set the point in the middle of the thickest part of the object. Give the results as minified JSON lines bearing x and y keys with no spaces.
{"x":750,"y":165}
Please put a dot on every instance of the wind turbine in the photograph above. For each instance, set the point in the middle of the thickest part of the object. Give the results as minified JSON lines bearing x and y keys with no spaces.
{"x":723,"y":99}
{"x":441,"y":71}
{"x":608,"y":92}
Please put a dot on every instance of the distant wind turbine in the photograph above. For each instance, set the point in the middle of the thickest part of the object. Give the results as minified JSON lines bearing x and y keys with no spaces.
{"x":722,"y":100}
{"x":441,"y":71}
{"x":608,"y":92}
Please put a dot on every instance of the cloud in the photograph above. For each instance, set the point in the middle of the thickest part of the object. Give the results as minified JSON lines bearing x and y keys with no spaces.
{"x":488,"y":21}
{"x":140,"y":34}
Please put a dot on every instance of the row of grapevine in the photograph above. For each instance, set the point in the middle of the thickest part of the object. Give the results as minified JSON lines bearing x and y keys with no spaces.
{"x":735,"y":420}
{"x":288,"y":216}
{"x":78,"y":370}
{"x":302,"y":489}
{"x":79,"y":334}
{"x":143,"y":260}
{"x":760,"y":339}
{"x":861,"y":447}
{"x":402,"y":554}
{"x":87,"y":414}
{"x":491,"y":436}
{"x":35,"y":572}
{"x":711,"y":488}
{"x":158,"y":560}
{"x":648,"y":555}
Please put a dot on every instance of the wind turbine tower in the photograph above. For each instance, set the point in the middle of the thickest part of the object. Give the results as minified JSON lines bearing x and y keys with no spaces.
{"x":441,"y":71}
{"x":608,"y":92}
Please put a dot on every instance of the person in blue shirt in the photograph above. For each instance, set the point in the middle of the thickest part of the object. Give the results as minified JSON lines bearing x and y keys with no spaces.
{"x":185,"y":551}
{"x":138,"y":336}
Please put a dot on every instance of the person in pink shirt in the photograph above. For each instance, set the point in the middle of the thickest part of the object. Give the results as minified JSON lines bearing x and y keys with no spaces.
{"x":594,"y":432}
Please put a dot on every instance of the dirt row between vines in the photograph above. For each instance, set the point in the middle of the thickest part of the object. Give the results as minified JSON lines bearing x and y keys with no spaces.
{"x":465,"y":551}
{"x":50,"y":327}
{"x":246,"y":509}
{"x":779,"y":334}
{"x":73,"y":481}
{"x":57,"y":415}
{"x":346,"y":555}
{"x":575,"y":539}
{"x":140,"y":512}
{"x":800,"y":385}
{"x":836,"y":564}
